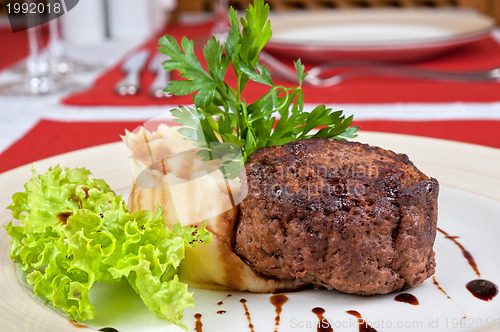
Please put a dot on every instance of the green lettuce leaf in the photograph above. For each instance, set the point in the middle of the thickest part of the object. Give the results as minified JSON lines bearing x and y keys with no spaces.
{"x":76,"y":232}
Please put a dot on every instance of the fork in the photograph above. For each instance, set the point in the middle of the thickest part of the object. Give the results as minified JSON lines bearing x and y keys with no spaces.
{"x":369,"y":68}
{"x":162,"y":77}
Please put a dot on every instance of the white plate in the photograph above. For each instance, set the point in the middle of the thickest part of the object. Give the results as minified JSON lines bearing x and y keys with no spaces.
{"x":375,"y":34}
{"x":469,"y":206}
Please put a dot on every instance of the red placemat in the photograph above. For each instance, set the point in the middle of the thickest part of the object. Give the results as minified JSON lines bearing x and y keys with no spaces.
{"x":482,"y":54}
{"x":14,"y":46}
{"x":17,"y":48}
{"x":482,"y":132}
{"x":49,"y":138}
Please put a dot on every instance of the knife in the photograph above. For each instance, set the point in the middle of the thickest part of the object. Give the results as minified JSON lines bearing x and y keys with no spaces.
{"x":132,"y":67}
{"x":162,"y":77}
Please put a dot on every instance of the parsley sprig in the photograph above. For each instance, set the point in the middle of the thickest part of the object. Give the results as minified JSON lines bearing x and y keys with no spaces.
{"x":221,"y":120}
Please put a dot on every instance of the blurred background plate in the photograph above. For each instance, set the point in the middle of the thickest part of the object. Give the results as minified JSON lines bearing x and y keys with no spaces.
{"x":379,"y":35}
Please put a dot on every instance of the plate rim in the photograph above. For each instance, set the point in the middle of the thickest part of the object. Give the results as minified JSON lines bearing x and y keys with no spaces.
{"x":460,"y":38}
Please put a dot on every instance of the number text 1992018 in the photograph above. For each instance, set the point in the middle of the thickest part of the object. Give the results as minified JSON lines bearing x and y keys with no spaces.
{"x":33,"y":7}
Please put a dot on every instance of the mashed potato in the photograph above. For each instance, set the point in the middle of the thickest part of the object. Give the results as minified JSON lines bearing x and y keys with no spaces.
{"x":168,"y":173}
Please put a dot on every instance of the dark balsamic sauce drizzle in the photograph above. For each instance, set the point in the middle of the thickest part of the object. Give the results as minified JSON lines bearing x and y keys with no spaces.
{"x":323,"y":324}
{"x":220,"y":312}
{"x":108,"y":329}
{"x":76,"y":324}
{"x":221,"y":302}
{"x":363,"y":326}
{"x":407,"y":298}
{"x":465,"y":252}
{"x":247,"y":313}
{"x":64,"y":216}
{"x":163,"y":168}
{"x":86,"y":190}
{"x":199,"y":325}
{"x":482,"y":289}
{"x":436,"y":283}
{"x":278,"y":300}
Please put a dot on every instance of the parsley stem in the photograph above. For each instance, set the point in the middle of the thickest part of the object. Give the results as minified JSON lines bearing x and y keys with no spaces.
{"x":238,"y":105}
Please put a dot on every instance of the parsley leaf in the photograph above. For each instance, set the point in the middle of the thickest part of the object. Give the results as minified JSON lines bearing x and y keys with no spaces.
{"x":221,"y":120}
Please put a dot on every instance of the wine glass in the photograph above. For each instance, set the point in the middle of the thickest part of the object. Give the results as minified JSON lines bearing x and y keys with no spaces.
{"x":221,"y":10}
{"x":59,"y":61}
{"x":38,"y":78}
{"x":219,"y":29}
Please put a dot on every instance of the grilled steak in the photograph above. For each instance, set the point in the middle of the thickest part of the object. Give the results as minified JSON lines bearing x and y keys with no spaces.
{"x":337,"y":214}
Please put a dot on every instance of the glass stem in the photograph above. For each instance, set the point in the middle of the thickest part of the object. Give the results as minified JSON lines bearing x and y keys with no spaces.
{"x":56,"y":49}
{"x":221,"y":9}
{"x":37,"y":64}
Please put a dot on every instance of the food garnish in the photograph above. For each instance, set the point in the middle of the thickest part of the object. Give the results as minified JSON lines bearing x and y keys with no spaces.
{"x":222,"y":117}
{"x":76,"y":231}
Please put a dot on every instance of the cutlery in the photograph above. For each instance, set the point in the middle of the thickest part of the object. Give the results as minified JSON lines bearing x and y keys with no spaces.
{"x":162,"y":77}
{"x":132,"y":67}
{"x":367,"y":68}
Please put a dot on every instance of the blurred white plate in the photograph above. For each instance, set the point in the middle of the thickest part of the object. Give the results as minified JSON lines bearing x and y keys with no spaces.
{"x":469,"y":207}
{"x":374,"y":34}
